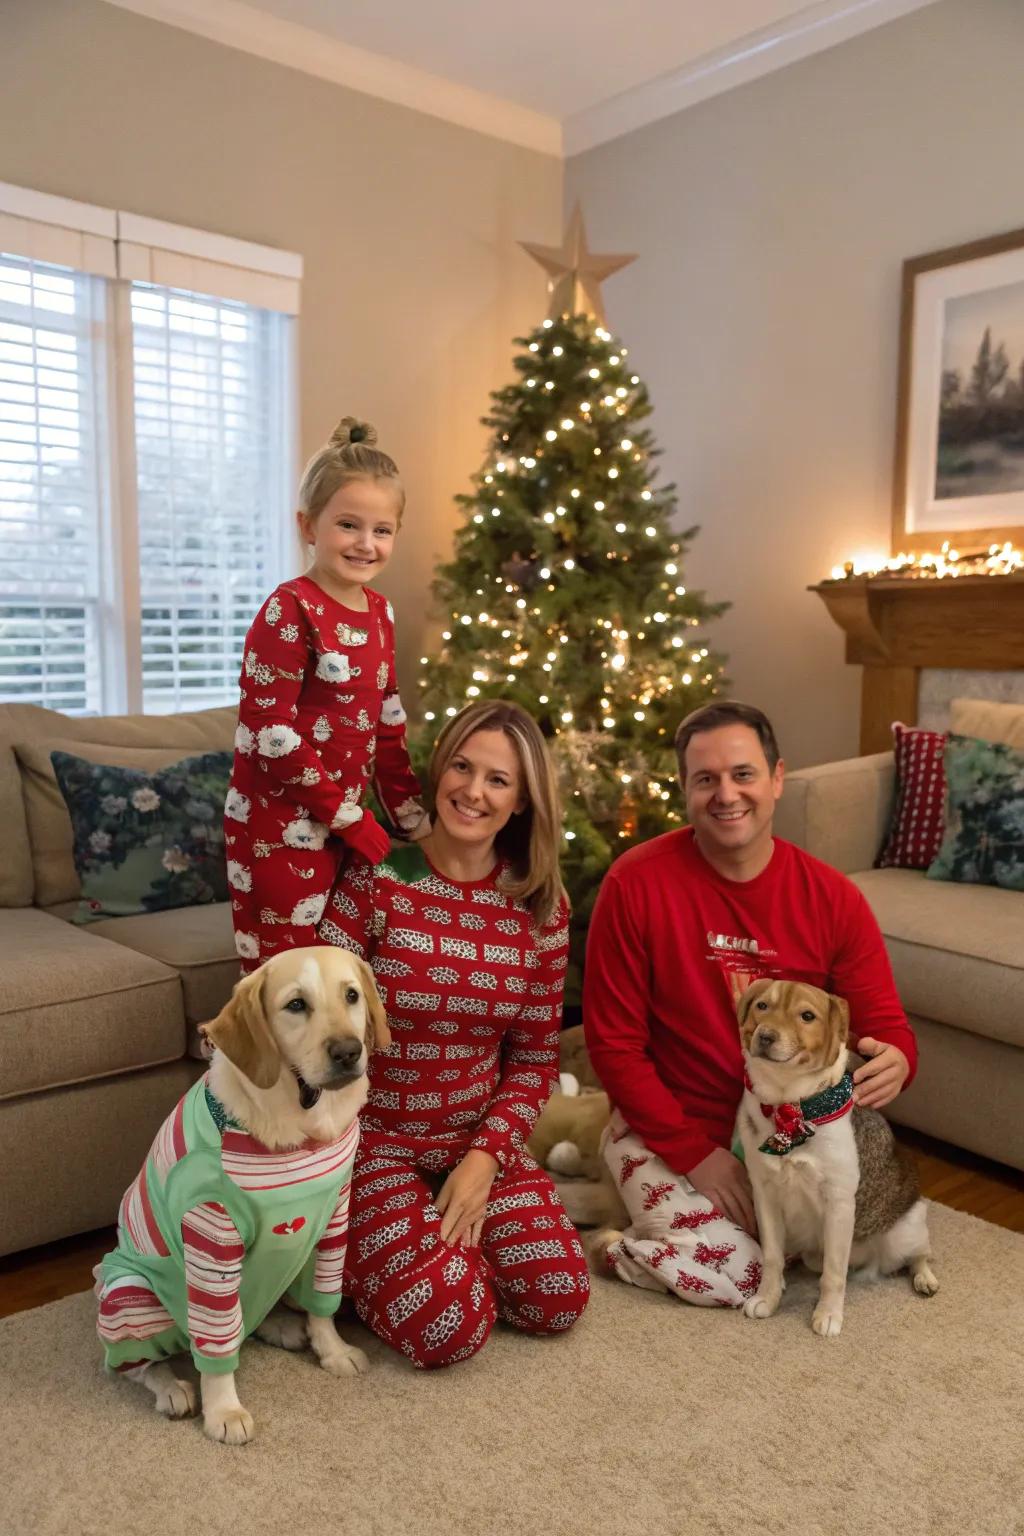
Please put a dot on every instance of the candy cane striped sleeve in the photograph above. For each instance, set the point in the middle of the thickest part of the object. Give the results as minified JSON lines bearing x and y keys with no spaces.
{"x":213,"y":1253}
{"x":330,"y":1250}
{"x":317,"y":1288}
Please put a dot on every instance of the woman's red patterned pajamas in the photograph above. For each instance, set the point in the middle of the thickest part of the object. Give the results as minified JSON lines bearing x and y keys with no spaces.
{"x":437,"y":1303}
{"x":473,"y":992}
{"x":320,"y":719}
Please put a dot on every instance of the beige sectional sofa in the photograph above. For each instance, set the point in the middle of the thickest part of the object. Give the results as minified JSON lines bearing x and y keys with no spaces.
{"x":957,"y":951}
{"x":96,"y":1021}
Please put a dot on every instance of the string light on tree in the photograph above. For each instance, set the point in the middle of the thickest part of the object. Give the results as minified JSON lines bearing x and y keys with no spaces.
{"x":582,"y":626}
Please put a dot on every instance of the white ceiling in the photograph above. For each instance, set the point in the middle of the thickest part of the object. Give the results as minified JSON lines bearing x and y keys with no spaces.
{"x":558,"y":75}
{"x":557,"y":57}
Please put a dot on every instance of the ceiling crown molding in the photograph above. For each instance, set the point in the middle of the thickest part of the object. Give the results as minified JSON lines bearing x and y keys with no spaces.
{"x":811,"y":30}
{"x":242,"y":26}
{"x":237,"y":24}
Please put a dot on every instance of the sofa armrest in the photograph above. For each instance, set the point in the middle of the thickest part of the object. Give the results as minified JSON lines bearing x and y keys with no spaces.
{"x":839,"y":812}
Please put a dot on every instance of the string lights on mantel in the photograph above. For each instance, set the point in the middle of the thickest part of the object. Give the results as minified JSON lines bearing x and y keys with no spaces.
{"x":996,"y":560}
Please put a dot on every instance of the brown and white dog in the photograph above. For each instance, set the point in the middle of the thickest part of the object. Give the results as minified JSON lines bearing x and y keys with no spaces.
{"x":829,"y":1181}
{"x":289,"y":1068}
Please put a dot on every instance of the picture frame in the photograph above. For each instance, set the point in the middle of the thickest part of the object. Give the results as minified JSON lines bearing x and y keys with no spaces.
{"x":959,"y":461}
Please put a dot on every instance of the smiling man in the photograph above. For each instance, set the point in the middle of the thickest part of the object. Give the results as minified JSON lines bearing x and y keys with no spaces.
{"x":682,"y":926}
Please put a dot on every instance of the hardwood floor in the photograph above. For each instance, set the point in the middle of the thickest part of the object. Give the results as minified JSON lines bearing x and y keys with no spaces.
{"x":967,"y":1182}
{"x":948,"y":1174}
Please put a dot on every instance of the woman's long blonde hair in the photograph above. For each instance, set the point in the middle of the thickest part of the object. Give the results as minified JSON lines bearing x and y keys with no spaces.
{"x":531,"y":839}
{"x":351,"y":453}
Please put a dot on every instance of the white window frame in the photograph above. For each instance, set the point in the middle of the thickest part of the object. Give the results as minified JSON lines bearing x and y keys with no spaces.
{"x":119,"y":248}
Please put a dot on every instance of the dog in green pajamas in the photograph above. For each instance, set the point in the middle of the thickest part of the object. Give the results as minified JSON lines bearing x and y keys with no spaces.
{"x":243,"y":1199}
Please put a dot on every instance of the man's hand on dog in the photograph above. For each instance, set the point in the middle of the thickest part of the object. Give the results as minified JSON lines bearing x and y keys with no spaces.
{"x":722,"y":1179}
{"x":462,"y":1199}
{"x":881,"y":1078}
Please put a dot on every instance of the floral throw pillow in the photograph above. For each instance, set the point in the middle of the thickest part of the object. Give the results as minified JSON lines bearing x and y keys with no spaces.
{"x":984,"y":840}
{"x":145,"y":842}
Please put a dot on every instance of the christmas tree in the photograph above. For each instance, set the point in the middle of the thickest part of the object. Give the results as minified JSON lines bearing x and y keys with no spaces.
{"x":566,"y":590}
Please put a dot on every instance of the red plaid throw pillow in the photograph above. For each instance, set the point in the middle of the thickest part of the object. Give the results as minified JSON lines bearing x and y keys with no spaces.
{"x":919,"y":819}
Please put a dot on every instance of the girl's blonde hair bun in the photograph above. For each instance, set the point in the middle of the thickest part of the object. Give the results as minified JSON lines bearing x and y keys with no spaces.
{"x":351,"y":430}
{"x":350,"y":453}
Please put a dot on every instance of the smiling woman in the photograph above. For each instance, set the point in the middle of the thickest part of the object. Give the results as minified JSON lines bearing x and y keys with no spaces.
{"x":467,"y":934}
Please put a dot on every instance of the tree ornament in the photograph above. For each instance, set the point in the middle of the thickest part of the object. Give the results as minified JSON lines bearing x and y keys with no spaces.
{"x":628,"y":814}
{"x":523,"y":572}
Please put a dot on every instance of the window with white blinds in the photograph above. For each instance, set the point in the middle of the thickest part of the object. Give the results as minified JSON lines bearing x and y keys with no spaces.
{"x":208,"y":387}
{"x":146,"y":454}
{"x":52,"y":439}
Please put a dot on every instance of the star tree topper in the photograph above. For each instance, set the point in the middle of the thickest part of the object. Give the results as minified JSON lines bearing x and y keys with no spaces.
{"x":575,"y":272}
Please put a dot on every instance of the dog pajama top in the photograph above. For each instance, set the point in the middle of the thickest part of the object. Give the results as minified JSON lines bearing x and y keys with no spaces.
{"x":473,"y":992}
{"x":320,"y":719}
{"x":214,"y":1231}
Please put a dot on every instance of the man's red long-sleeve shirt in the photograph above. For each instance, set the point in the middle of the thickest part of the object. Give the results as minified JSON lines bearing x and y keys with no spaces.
{"x":673,"y":944}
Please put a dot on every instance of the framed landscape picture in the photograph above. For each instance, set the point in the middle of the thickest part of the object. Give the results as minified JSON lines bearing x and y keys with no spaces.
{"x":960,"y":415}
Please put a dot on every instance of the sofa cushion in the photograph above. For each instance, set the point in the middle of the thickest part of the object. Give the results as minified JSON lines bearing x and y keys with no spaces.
{"x":198,"y":731}
{"x":919,"y":816}
{"x":984,"y":838}
{"x":988,"y":719}
{"x":956,"y":950}
{"x":197,"y":942}
{"x":146,"y":840}
{"x":967,"y":1090}
{"x":68,"y":1156}
{"x":75,"y":1007}
{"x":50,"y":829}
{"x":16,"y":884}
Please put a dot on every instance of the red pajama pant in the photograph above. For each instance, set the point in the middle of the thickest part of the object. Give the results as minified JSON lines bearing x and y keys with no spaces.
{"x":437,"y":1303}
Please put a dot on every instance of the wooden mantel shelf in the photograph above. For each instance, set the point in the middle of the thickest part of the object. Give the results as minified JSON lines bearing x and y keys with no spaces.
{"x":895,"y":625}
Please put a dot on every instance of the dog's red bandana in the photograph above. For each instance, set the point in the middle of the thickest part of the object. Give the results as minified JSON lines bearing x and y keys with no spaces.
{"x":794,"y":1123}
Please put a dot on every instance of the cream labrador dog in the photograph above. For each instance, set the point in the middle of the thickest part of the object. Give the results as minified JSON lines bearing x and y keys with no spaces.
{"x":829,"y":1180}
{"x":244,"y":1196}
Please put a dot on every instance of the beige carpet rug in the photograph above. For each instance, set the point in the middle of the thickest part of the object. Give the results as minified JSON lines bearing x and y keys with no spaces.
{"x":651,"y":1417}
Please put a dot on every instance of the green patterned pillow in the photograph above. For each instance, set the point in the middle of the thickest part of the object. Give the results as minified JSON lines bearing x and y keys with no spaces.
{"x":144,"y":842}
{"x":984,"y":838}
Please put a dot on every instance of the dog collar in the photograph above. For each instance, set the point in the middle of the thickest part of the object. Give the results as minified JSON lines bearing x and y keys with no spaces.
{"x":308,"y":1096}
{"x":221,"y":1119}
{"x":794,"y":1123}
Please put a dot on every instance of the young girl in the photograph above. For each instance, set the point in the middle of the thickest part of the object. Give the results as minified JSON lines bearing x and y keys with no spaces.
{"x":320,"y":717}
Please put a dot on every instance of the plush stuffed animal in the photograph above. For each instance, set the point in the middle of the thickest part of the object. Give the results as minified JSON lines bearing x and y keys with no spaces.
{"x":574,"y":1058}
{"x":567,"y":1139}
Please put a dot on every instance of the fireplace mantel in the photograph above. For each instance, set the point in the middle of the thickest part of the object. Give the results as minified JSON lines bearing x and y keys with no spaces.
{"x":895,"y":626}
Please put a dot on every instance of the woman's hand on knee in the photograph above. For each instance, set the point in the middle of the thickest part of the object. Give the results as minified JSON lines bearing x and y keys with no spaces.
{"x":463,"y":1198}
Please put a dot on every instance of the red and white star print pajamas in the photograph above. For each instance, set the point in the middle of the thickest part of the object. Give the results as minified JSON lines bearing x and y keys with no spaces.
{"x":473,"y":993}
{"x":677,"y":1240}
{"x":320,"y":719}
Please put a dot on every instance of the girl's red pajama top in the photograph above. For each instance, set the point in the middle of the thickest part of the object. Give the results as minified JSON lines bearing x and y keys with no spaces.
{"x":320,"y":720}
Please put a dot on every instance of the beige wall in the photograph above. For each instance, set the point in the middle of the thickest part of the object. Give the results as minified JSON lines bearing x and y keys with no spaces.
{"x":414,"y":286}
{"x":771,"y":224}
